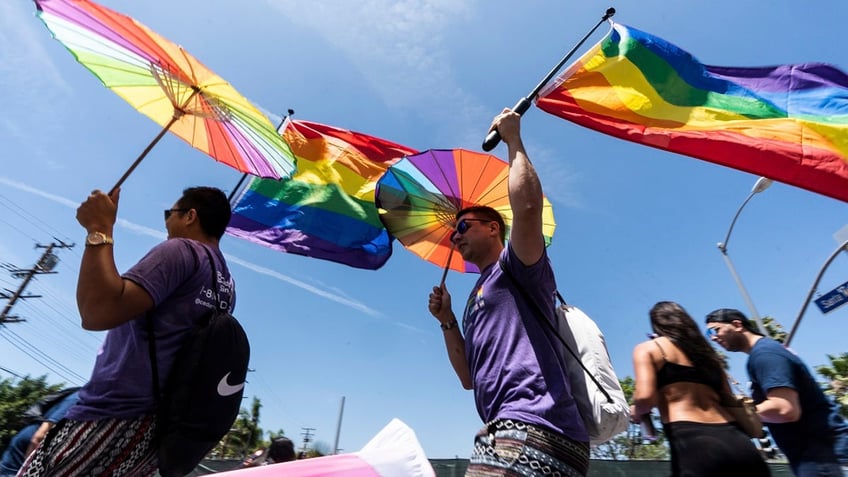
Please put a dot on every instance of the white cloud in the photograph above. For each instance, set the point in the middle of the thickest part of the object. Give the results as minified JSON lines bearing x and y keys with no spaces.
{"x":396,"y":45}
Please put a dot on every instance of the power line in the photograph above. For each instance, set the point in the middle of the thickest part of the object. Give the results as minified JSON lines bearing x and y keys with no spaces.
{"x":40,"y":357}
{"x":46,"y":264}
{"x":307,"y":438}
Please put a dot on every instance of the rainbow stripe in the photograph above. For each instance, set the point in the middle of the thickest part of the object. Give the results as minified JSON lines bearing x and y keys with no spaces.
{"x":157,"y":77}
{"x":787,"y":122}
{"x":326,"y":210}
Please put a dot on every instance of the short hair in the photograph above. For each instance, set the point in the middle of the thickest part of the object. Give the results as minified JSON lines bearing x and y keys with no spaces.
{"x":212,"y":207}
{"x":488,"y":213}
{"x":281,"y":450}
{"x":729,"y":315}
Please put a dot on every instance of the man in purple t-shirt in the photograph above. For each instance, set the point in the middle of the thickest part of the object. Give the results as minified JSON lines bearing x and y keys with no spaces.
{"x":110,"y":431}
{"x":503,"y":353}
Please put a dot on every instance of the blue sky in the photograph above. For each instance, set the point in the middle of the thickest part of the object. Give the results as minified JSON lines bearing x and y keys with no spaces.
{"x":635,"y":225}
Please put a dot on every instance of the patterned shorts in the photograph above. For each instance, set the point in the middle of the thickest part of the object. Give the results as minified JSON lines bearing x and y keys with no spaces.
{"x":510,"y":448}
{"x":110,"y":447}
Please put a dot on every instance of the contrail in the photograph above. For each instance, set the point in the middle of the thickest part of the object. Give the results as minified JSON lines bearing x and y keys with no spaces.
{"x":158,"y":234}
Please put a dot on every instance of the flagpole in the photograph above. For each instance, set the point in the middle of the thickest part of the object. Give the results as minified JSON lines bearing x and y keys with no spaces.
{"x":244,"y":176}
{"x":523,"y":104}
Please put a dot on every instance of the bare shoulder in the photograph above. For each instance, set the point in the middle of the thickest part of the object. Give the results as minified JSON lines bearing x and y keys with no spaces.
{"x":643,"y":349}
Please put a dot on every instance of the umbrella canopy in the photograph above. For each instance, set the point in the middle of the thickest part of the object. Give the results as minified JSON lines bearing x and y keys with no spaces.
{"x":419,"y":196}
{"x":165,"y":83}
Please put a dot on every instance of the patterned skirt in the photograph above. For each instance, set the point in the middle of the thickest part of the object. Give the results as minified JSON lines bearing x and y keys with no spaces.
{"x":510,"y":448}
{"x":110,"y":447}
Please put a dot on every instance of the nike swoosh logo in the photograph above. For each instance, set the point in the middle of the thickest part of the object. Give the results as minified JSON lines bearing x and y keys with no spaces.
{"x":225,"y":389}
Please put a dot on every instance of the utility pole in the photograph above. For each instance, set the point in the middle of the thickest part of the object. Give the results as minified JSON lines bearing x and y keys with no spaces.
{"x":45,"y":264}
{"x":307,"y":438}
{"x":339,"y":427}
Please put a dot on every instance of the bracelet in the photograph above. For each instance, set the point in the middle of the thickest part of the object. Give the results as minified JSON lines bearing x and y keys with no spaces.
{"x":449,"y":325}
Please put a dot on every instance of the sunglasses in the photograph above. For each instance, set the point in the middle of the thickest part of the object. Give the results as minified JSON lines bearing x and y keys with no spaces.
{"x":462,"y":227}
{"x":168,"y":212}
{"x":711,"y":332}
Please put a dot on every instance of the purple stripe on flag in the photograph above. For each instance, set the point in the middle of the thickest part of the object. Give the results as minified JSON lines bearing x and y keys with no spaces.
{"x":784,"y":77}
{"x":296,"y":242}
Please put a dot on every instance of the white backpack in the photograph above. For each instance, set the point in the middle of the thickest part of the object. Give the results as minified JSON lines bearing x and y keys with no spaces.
{"x":594,"y":384}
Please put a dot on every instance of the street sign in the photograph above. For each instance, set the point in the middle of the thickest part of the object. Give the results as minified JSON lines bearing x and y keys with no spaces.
{"x":833,"y":299}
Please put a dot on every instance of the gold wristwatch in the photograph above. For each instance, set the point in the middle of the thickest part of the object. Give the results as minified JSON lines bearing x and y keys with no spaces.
{"x":98,"y":238}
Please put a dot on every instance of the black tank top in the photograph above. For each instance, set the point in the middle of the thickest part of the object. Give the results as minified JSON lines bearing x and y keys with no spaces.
{"x":671,"y":373}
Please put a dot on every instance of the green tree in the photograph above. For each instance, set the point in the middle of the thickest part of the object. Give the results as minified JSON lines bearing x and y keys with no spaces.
{"x":837,"y":384}
{"x":275,"y":434}
{"x":630,"y":444}
{"x":244,"y":437}
{"x":16,"y":396}
{"x":774,"y":330}
{"x":319,"y":449}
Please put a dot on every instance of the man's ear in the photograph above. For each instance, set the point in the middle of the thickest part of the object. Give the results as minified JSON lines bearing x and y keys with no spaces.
{"x":191,"y":215}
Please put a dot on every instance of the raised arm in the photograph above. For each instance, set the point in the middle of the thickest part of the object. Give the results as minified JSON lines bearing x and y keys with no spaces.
{"x":105,"y":300}
{"x":525,"y":192}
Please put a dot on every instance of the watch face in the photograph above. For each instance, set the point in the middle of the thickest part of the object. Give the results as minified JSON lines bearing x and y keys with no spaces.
{"x":97,"y":238}
{"x":94,"y":238}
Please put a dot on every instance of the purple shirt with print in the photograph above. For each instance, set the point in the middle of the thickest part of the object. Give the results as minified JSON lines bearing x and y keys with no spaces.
{"x":179,"y":282}
{"x":514,"y":366}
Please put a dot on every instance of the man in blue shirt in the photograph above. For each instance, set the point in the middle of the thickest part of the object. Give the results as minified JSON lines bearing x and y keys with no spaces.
{"x":805,"y":424}
{"x":28,"y":438}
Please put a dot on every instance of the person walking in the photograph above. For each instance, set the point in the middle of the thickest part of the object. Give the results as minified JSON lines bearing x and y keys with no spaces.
{"x":703,"y":440}
{"x":111,"y":430}
{"x":31,"y":435}
{"x":804,"y":423}
{"x":532,"y":425}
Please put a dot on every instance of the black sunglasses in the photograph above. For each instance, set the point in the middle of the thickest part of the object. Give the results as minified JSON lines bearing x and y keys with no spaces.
{"x":168,"y":212}
{"x":462,"y":226}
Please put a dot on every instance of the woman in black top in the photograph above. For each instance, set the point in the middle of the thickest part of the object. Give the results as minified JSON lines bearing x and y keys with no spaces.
{"x":679,"y":373}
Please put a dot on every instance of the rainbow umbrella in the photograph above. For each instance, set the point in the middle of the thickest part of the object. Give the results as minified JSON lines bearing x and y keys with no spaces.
{"x":165,"y":83}
{"x":419,"y":197}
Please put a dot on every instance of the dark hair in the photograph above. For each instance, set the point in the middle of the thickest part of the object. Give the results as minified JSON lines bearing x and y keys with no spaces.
{"x":212,"y":207}
{"x":488,"y":213}
{"x":670,"y":320}
{"x":729,"y":315}
{"x":281,"y":450}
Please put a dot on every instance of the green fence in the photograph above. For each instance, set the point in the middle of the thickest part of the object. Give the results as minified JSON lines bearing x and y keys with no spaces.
{"x":456,"y":468}
{"x":599,"y":468}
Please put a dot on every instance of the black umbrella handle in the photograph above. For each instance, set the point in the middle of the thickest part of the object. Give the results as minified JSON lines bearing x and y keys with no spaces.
{"x":523,"y":105}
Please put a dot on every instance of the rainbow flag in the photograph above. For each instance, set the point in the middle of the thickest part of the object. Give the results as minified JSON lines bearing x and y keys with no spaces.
{"x":787,"y":122}
{"x":326,"y":210}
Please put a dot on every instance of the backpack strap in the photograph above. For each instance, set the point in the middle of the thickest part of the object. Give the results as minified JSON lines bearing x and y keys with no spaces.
{"x":549,"y":326}
{"x":214,"y":278}
{"x":151,"y":337}
{"x":662,"y":351}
